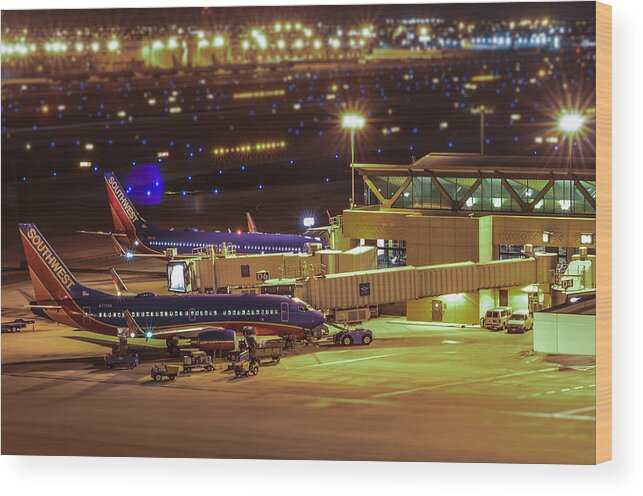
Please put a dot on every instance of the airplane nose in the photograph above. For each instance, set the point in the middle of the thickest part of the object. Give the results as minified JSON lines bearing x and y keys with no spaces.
{"x":319,"y":318}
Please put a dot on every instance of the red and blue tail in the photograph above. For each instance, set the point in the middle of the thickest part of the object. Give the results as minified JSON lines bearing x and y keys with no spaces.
{"x":126,"y":218}
{"x":51,"y":279}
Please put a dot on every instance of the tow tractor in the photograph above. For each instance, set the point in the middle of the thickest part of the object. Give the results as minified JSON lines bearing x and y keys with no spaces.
{"x":350,"y":337}
{"x":121,"y":354}
{"x":245,"y":365}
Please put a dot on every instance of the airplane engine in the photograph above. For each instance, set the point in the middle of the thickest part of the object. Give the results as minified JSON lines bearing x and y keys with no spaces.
{"x":216,"y":340}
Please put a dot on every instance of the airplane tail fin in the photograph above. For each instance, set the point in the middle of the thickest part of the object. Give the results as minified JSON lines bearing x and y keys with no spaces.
{"x":126,"y":218}
{"x":252,"y":228}
{"x":51,"y":279}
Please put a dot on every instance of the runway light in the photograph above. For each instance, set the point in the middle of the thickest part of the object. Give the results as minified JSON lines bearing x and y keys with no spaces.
{"x":309,"y":221}
{"x":571,"y":122}
{"x":258,"y":94}
{"x":257,"y":147}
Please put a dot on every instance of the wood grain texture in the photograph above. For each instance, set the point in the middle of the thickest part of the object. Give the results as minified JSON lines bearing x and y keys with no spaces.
{"x":604,"y":232}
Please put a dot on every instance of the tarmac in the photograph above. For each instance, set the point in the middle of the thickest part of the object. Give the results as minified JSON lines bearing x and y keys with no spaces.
{"x":417,"y":393}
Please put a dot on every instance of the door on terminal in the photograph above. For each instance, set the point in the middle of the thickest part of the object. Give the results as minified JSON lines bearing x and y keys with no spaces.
{"x":436,"y":311}
{"x":503,"y":296}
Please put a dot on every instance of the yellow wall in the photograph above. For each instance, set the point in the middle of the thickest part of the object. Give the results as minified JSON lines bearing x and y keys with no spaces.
{"x":465,"y":308}
{"x":439,"y":239}
{"x":461,"y":308}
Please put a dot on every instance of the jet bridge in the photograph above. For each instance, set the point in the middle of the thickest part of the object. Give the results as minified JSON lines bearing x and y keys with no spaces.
{"x":385,"y":286}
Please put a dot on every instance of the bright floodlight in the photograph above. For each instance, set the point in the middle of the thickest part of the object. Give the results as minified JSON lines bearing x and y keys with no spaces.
{"x":353,"y":121}
{"x":113,"y":45}
{"x":571,"y":122}
{"x":309,"y":221}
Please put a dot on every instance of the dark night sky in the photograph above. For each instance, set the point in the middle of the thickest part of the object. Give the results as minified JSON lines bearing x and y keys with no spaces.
{"x":360,"y":13}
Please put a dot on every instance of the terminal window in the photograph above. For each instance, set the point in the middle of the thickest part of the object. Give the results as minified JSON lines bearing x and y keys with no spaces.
{"x":508,"y":252}
{"x":390,"y":252}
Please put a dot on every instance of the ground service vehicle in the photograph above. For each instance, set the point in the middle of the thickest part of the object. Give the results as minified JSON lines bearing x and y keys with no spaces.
{"x":121,"y":354}
{"x":126,"y":360}
{"x":496,"y":319}
{"x":196,"y":360}
{"x":349,"y":337}
{"x":272,"y":349}
{"x":520,"y":321}
{"x":164,"y":370}
{"x":245,"y":365}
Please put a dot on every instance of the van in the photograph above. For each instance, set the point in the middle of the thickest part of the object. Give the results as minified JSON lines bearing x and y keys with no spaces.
{"x":520,"y":321}
{"x":496,"y":319}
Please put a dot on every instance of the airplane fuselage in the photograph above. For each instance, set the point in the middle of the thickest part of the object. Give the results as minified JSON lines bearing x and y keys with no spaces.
{"x":161,"y":314}
{"x":186,"y":240}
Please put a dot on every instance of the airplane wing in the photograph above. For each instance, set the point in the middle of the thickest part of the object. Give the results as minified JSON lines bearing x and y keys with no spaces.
{"x":137,"y":331}
{"x":46,"y":307}
{"x":103,"y":233}
{"x":131,"y":255}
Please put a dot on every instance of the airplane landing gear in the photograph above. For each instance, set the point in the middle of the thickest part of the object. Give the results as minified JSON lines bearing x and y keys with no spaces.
{"x":172,"y":348}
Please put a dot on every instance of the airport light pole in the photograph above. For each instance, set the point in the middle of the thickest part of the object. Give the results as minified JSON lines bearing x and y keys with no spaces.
{"x":481,"y":110}
{"x":570,"y":123}
{"x":353,"y":122}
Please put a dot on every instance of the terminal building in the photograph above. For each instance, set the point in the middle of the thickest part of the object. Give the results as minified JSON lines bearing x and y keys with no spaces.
{"x":443,"y":239}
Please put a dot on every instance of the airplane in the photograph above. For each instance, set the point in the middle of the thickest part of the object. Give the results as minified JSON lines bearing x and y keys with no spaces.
{"x":138,"y":237}
{"x":171,"y":317}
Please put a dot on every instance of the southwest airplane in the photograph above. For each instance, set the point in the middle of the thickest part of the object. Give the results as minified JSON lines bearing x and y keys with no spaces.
{"x":140,"y":237}
{"x":63,"y":299}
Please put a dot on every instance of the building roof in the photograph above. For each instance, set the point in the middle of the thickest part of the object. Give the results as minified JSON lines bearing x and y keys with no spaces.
{"x":476,"y":165}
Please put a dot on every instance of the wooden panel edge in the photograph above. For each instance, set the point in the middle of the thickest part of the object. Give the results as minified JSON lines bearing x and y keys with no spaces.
{"x":604,"y":232}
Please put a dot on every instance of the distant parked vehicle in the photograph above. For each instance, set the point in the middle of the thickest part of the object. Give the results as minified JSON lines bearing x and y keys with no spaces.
{"x":496,"y":319}
{"x":520,"y":321}
{"x":17,"y":325}
{"x":349,"y":337}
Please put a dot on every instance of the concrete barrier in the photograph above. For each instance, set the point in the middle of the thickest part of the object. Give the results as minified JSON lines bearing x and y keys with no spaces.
{"x":565,"y":334}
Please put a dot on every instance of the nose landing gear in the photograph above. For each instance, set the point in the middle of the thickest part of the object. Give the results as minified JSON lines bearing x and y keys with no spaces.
{"x":172,"y":347}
